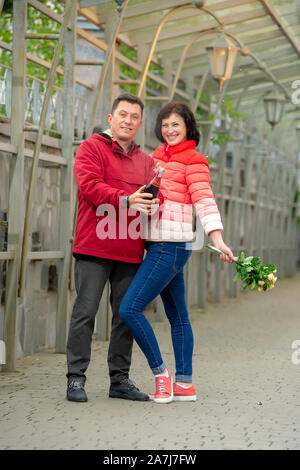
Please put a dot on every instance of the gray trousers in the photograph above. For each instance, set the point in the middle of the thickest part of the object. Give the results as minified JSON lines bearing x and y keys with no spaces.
{"x":90,"y":279}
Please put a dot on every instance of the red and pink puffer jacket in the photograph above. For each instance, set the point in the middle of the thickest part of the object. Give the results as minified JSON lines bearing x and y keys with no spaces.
{"x":185,"y":183}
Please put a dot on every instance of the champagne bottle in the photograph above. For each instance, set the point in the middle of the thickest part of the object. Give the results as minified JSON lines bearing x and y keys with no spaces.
{"x":153,"y":186}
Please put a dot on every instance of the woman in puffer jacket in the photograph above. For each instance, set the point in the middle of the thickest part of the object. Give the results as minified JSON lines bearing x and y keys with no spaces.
{"x":184,"y":183}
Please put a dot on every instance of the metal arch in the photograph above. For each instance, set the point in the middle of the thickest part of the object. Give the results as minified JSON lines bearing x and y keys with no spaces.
{"x":244,"y":51}
{"x":182,"y":59}
{"x":261,"y":65}
{"x":154,"y":42}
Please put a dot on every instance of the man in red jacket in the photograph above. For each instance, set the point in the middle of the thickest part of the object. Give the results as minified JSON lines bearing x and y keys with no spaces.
{"x":111,"y":172}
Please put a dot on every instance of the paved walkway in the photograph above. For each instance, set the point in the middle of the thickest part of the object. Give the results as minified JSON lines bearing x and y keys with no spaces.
{"x":247,"y":385}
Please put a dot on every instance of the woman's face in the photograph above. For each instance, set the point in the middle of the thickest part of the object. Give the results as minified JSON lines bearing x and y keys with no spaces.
{"x":173,"y":129}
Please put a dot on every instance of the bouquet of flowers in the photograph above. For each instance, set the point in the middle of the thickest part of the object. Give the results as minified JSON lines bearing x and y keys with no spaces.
{"x":254,"y":276}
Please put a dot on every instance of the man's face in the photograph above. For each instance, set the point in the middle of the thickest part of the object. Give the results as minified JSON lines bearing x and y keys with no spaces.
{"x":125,"y":121}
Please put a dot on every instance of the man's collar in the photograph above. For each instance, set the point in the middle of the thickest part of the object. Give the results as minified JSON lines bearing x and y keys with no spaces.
{"x":131,"y":146}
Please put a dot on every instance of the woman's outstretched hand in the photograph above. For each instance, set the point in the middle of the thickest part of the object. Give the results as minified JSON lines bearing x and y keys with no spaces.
{"x":218,"y":242}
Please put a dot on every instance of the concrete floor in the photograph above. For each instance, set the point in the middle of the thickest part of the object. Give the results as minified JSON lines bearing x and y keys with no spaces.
{"x":246,"y":373}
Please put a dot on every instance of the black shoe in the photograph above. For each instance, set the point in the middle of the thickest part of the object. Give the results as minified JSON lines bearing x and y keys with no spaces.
{"x":75,"y":390}
{"x":127,"y":390}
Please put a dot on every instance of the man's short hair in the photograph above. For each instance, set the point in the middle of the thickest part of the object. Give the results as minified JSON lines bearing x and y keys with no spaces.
{"x":130,"y":99}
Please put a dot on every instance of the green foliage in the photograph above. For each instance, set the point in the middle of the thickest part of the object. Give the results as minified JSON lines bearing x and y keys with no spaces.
{"x":253,"y":275}
{"x":8,"y":5}
{"x":204,"y":99}
{"x":38,"y":23}
{"x":126,"y":70}
{"x":130,"y":73}
{"x":221,"y":139}
{"x":156,"y":70}
{"x":227,"y":107}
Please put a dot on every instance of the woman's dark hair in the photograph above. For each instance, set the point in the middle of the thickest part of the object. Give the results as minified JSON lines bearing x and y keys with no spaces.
{"x":185,"y":112}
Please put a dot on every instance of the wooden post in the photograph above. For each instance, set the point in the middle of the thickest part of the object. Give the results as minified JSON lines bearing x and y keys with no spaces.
{"x":16,"y":191}
{"x":221,"y":206}
{"x":284,"y":221}
{"x":233,"y":213}
{"x":1,"y":5}
{"x":99,"y":117}
{"x":37,"y":148}
{"x":168,"y":74}
{"x":202,"y":273}
{"x":290,"y":259}
{"x":247,"y":195}
{"x":200,"y":89}
{"x":282,"y":203}
{"x":269,"y":207}
{"x":220,"y":190}
{"x":106,"y":100}
{"x":159,"y":306}
{"x":140,"y":136}
{"x":206,"y":151}
{"x":261,"y":170}
{"x":66,"y":202}
{"x":203,"y":259}
{"x":111,"y":33}
{"x":211,"y":127}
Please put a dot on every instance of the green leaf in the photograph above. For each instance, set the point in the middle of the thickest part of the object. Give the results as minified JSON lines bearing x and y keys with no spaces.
{"x":271,"y":266}
{"x":236,"y":277}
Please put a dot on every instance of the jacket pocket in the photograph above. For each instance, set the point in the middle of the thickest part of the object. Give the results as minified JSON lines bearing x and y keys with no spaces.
{"x":129,"y":184}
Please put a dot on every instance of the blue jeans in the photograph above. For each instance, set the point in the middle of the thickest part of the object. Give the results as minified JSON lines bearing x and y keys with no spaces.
{"x":161,"y":273}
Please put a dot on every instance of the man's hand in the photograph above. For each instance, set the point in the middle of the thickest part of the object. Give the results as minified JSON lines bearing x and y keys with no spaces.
{"x":154,"y":208}
{"x":142,"y":202}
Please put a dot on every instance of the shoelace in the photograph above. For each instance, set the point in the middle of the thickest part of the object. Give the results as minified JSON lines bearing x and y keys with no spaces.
{"x":131,"y":385}
{"x":76,"y":384}
{"x":161,"y":387}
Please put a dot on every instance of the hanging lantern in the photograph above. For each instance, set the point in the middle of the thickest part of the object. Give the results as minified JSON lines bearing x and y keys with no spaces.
{"x":274,"y":106}
{"x":222,"y":54}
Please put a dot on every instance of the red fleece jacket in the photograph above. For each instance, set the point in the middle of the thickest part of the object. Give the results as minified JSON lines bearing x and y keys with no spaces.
{"x":105,"y":174}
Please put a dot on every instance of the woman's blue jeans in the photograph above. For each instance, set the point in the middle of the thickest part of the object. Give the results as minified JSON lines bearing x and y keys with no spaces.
{"x":161,"y":272}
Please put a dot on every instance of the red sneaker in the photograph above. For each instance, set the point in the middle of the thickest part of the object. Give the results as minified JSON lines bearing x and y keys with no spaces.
{"x":184,"y":393}
{"x":164,"y":389}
